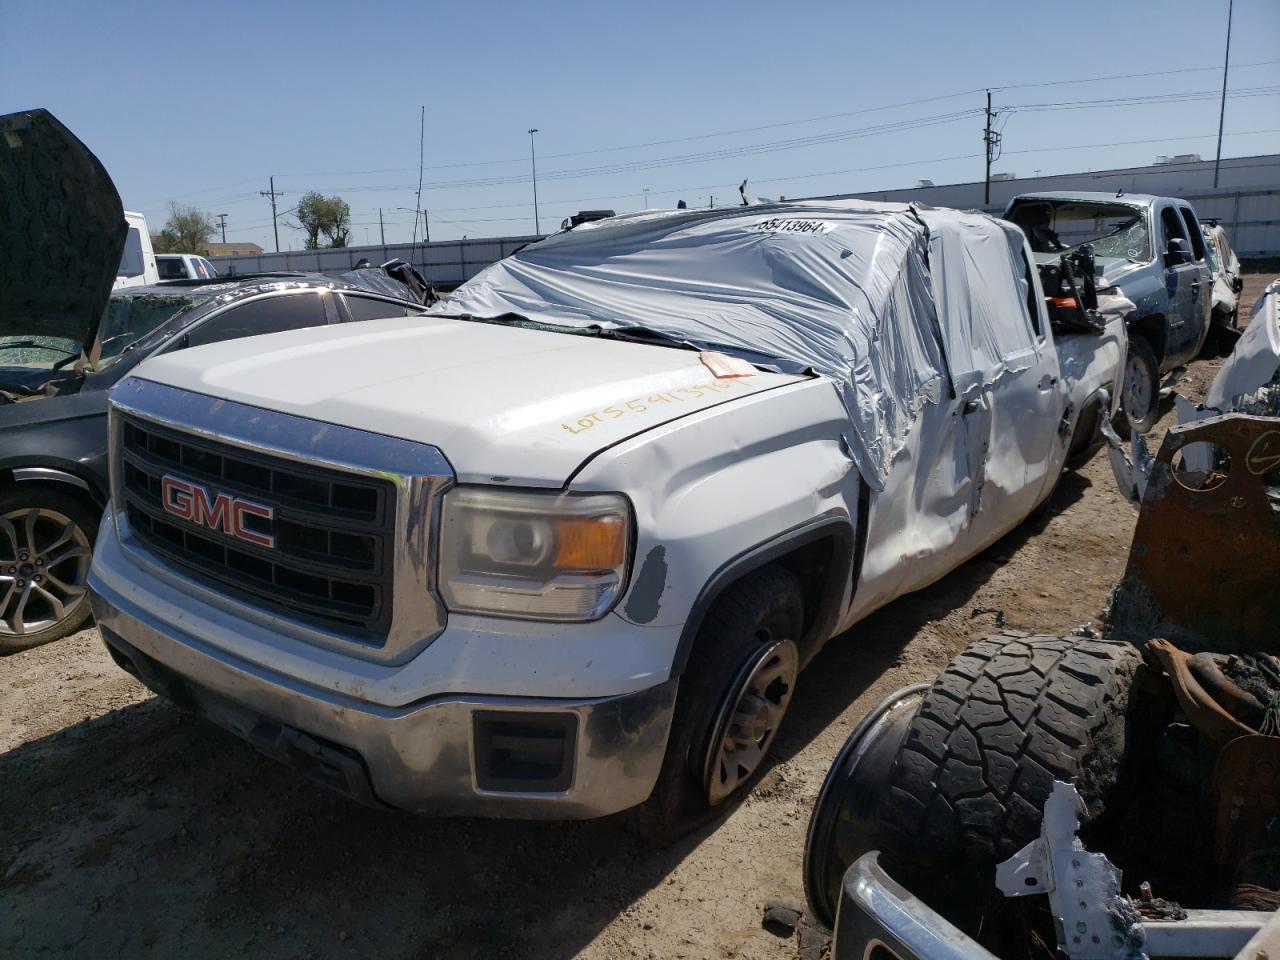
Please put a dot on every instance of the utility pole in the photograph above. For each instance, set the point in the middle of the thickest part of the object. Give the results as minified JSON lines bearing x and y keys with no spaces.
{"x":275,"y":227}
{"x":1222,"y":109}
{"x":992,"y":141}
{"x":712,"y":205}
{"x":533,"y":160}
{"x":222,"y":225}
{"x":382,"y":231}
{"x":646,"y":198}
{"x":426,"y":225}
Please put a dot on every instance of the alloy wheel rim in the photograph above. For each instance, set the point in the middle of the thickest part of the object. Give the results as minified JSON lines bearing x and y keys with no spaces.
{"x":44,"y":566}
{"x":749,"y":718}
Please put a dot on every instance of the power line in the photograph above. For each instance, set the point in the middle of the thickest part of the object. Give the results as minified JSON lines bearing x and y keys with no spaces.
{"x":724,"y":153}
{"x":733,"y":132}
{"x":1181,"y":97}
{"x":1128,"y":76}
{"x":743,"y":150}
{"x":789,"y":123}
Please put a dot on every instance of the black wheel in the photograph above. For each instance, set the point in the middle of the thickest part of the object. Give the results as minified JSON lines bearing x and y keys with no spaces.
{"x":732,"y":698}
{"x":1007,"y":718}
{"x":1140,"y":391}
{"x":46,"y":544}
{"x":845,"y":820}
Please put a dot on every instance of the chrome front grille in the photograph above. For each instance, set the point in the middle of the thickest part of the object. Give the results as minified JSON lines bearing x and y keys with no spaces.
{"x":344,"y":560}
{"x":330,"y":562}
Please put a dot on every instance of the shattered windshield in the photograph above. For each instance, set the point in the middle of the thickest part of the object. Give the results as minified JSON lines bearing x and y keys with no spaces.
{"x":1116,"y":230}
{"x":130,"y":317}
{"x":37,"y":353}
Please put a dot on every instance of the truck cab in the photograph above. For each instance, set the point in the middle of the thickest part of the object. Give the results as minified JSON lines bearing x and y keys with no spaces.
{"x":1152,"y":249}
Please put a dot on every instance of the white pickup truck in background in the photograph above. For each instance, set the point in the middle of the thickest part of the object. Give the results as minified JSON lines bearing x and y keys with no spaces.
{"x":562,"y":549}
{"x":138,"y":262}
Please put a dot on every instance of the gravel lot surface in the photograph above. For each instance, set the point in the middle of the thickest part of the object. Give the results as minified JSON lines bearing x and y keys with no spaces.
{"x":131,"y":830}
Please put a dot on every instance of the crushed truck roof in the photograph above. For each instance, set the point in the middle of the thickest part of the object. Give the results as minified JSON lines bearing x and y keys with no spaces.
{"x":890,"y":301}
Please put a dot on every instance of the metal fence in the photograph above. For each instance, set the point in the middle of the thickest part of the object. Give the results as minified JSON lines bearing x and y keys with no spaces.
{"x":446,"y":264}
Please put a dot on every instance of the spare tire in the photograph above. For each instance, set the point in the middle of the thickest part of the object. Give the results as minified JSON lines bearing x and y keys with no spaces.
{"x":1008,"y":717}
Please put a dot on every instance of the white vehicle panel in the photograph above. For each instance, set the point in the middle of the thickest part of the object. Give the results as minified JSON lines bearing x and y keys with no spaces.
{"x":721,"y":482}
{"x":504,"y":405}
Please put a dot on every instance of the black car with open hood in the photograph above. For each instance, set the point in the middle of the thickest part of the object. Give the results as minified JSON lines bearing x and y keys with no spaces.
{"x":66,"y":337}
{"x":61,"y":238}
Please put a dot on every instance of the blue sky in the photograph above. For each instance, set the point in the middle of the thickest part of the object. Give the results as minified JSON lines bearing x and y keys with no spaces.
{"x":201,"y":103}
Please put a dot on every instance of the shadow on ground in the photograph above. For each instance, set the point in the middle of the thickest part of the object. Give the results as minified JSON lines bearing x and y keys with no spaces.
{"x":146,"y":832}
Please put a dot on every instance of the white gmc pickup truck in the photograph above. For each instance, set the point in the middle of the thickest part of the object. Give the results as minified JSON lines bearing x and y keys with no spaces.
{"x":562,"y":548}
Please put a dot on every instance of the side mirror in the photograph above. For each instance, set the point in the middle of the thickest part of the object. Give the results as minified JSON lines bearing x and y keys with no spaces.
{"x":1179,"y":252}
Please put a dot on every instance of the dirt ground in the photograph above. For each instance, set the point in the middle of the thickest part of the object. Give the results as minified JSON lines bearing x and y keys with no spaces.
{"x":130,"y":830}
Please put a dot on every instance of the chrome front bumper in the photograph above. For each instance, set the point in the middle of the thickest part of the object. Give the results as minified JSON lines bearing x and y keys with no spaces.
{"x":879,"y":918}
{"x":421,"y":757}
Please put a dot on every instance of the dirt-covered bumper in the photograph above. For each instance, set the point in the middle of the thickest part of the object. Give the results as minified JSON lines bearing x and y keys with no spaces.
{"x":457,"y":754}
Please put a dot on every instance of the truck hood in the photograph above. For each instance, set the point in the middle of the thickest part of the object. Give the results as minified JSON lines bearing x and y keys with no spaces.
{"x":62,"y":234}
{"x":501,"y":403}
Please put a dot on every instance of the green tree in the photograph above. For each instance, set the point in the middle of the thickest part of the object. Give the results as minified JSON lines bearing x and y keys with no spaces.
{"x":321,"y":216}
{"x":187,"y":230}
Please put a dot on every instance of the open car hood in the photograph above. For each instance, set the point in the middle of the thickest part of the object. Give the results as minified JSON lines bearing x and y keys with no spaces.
{"x":62,"y":234}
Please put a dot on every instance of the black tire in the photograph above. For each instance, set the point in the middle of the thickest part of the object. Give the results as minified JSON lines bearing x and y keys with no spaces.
{"x":763,"y":609}
{"x":62,"y":507}
{"x":1140,"y":411}
{"x":1007,"y":718}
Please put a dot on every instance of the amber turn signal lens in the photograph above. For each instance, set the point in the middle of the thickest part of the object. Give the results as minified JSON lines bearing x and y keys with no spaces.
{"x":590,"y":543}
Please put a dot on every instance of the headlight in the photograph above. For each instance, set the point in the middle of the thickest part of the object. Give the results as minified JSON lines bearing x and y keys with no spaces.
{"x":536,"y":555}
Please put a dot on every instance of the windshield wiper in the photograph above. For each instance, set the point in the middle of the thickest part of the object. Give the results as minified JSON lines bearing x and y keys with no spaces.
{"x":630,"y":334}
{"x":641,"y":335}
{"x":22,"y":344}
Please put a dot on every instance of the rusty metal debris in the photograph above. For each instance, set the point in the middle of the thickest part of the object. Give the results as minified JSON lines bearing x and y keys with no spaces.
{"x":1208,"y":716}
{"x":1246,"y":784}
{"x":1201,"y":569}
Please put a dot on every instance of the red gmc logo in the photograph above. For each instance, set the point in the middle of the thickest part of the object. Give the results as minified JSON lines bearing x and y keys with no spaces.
{"x":190,"y":501}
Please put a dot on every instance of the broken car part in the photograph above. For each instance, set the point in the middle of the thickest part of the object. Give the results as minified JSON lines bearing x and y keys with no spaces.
{"x":1206,"y":775}
{"x":1184,"y":525}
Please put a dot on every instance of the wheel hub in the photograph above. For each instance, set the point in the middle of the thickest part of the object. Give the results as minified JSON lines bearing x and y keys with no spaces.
{"x":1136,"y":388}
{"x":749,"y":718}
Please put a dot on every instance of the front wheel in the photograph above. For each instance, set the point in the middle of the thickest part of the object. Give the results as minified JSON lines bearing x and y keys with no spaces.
{"x":1140,"y":399}
{"x":46,"y":544}
{"x":733,"y":696}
